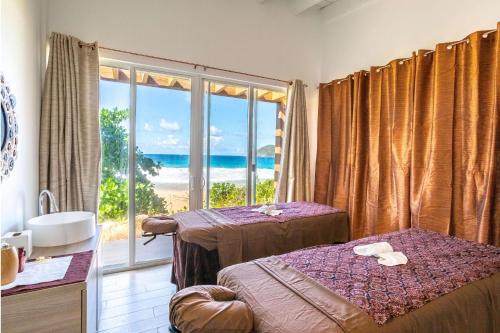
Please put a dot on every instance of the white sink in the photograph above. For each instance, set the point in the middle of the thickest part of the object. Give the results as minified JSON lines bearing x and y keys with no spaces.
{"x":62,"y":228}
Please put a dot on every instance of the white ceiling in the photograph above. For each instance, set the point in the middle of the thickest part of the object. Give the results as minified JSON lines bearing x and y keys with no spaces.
{"x":326,"y":10}
{"x":299,"y":7}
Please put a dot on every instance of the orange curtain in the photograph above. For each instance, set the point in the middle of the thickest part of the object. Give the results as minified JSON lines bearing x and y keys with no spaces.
{"x":389,"y":147}
{"x":422,"y":141}
{"x":334,"y":133}
{"x":456,"y":148}
{"x":359,"y":149}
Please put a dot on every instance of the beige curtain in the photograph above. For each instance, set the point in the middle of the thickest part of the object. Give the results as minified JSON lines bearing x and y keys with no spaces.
{"x":294,"y":179}
{"x":70,"y":148}
{"x":424,"y":143}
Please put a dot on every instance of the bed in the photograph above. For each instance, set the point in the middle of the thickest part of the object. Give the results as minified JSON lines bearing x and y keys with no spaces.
{"x":448,"y":285}
{"x":208,"y":240}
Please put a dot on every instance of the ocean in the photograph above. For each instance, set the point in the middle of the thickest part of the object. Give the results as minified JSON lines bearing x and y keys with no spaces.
{"x":216,"y":161}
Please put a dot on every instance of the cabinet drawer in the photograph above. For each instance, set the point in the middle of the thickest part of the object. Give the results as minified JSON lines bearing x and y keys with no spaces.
{"x":51,"y":310}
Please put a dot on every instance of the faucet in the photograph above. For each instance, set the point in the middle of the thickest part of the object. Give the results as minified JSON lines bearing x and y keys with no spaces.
{"x":52,"y":200}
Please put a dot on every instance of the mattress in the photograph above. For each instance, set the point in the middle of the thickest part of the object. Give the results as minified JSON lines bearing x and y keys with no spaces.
{"x":208,"y":240}
{"x":448,"y":285}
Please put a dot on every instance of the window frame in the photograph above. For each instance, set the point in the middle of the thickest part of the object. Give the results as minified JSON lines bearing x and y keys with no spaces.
{"x":197,"y":181}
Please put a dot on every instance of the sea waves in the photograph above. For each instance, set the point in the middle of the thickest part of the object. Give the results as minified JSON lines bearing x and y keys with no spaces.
{"x":231,"y":175}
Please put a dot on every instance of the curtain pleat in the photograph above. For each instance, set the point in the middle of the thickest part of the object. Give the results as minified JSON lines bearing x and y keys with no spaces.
{"x":334,"y":124}
{"x":358,"y":156}
{"x":323,"y":181}
{"x":70,"y":149}
{"x":422,"y":140}
{"x":493,"y":231}
{"x":294,"y":178}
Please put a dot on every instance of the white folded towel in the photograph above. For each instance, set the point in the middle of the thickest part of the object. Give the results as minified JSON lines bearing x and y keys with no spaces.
{"x":373,"y":249}
{"x":392,"y":258}
{"x":268,"y":210}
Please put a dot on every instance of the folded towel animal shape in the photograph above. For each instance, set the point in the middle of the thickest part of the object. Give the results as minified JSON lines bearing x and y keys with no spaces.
{"x":383,"y":251}
{"x":268,"y":210}
{"x":392,"y":258}
{"x":373,"y":249}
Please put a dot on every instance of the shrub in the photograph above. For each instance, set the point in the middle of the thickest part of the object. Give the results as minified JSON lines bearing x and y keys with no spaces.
{"x":114,"y":185}
{"x":226,"y":195}
{"x":265,"y":192}
{"x":114,"y":199}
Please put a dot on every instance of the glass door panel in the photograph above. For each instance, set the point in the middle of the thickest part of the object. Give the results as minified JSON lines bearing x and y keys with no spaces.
{"x":114,"y":104}
{"x":211,"y":143}
{"x":266,"y":135}
{"x":225,"y":158}
{"x":163,"y":116}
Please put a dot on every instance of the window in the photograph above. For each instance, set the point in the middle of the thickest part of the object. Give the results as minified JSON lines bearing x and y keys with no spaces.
{"x":214,"y":146}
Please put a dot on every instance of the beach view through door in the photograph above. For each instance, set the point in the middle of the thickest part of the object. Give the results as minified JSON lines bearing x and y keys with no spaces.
{"x":216,"y":145}
{"x":163,"y":116}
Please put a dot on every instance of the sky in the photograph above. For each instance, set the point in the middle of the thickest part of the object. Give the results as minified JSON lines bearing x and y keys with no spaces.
{"x":163,"y":120}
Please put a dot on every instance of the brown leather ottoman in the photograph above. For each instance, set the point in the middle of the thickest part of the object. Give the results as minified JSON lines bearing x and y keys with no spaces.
{"x":209,"y":308}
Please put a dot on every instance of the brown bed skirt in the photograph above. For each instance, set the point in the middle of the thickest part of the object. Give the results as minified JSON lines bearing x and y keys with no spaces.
{"x":193,"y":264}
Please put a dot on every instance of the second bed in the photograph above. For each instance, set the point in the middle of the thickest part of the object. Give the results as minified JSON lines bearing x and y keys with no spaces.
{"x":208,"y":240}
{"x":448,"y":285}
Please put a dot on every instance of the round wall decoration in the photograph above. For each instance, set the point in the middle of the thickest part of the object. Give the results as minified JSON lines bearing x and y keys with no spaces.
{"x":8,"y":129}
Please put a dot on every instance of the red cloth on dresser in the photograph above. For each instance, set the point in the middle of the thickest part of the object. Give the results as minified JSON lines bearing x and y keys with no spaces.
{"x":77,"y":272}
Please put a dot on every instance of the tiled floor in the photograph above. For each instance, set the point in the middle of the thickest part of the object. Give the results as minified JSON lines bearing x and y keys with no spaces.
{"x":137,"y":301}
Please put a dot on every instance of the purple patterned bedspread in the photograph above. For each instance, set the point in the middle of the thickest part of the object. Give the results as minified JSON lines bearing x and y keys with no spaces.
{"x":437,"y":265}
{"x":291,"y":211}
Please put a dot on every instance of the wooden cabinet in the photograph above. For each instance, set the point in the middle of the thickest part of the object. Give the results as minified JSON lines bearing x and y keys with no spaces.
{"x":69,"y":308}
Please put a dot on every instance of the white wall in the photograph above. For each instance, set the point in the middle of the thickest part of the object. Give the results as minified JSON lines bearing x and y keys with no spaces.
{"x":357,"y":34}
{"x":267,"y":39}
{"x":243,"y":35}
{"x":20,"y":61}
{"x":373,"y":32}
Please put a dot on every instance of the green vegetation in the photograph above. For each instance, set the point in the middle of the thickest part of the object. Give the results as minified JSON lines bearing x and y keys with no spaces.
{"x":114,"y":184}
{"x":265,"y":192}
{"x":229,"y":194}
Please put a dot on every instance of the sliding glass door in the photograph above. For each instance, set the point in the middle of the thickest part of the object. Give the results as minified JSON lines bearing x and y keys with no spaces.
{"x":162,"y":127}
{"x":268,"y":125}
{"x":242,"y":128}
{"x":225,"y":158}
{"x":191,"y":142}
{"x":114,"y":92}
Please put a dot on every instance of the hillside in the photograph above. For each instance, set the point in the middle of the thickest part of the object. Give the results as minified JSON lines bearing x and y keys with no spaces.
{"x":266,"y":151}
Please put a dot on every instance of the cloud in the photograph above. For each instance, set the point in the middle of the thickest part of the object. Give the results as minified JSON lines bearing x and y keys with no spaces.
{"x":215,"y":140}
{"x":147,"y":127}
{"x":215,"y":131}
{"x":171,"y":140}
{"x":174,"y":126}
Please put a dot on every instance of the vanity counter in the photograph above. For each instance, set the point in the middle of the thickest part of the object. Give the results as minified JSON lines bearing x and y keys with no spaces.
{"x":68,"y":305}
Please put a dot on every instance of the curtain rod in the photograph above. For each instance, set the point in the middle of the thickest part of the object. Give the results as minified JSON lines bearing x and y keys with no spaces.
{"x":449,"y":47}
{"x":195,"y":65}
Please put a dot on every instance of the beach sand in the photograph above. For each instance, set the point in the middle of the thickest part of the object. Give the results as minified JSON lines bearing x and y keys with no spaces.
{"x":177,"y":196}
{"x":173,"y":183}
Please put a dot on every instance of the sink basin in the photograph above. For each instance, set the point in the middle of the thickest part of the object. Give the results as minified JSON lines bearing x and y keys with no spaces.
{"x":62,"y":228}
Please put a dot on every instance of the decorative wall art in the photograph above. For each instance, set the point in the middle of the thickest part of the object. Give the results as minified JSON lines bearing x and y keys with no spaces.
{"x":8,"y":130}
